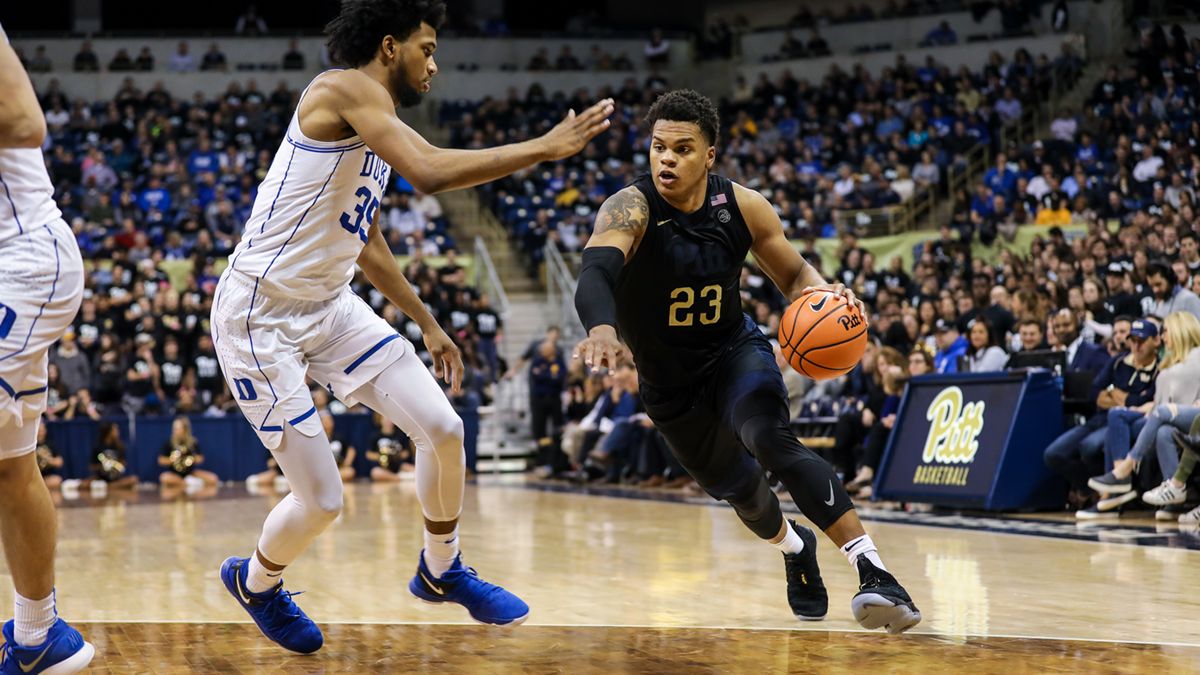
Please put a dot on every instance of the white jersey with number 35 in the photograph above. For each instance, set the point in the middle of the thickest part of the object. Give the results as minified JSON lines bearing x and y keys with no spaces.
{"x":312,"y":214}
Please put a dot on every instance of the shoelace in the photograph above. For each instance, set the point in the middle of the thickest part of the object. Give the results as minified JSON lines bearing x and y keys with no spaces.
{"x":481,"y":587}
{"x":796,"y":572}
{"x":281,"y":604}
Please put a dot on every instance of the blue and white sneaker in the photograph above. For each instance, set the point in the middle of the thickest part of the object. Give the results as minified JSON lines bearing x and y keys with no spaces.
{"x":486,"y":602}
{"x":276,"y":615}
{"x":63,"y":652}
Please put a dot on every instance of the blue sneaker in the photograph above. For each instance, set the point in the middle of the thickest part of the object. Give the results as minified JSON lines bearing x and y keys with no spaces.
{"x":486,"y":602}
{"x":63,"y":652}
{"x":276,"y":615}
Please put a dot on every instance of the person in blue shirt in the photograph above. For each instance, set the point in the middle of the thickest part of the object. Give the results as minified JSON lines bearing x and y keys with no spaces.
{"x":203,"y":159}
{"x":951,"y":345}
{"x":943,"y":34}
{"x":999,"y":178}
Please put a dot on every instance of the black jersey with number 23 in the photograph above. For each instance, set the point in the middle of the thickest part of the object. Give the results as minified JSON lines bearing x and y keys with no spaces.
{"x":678,"y":302}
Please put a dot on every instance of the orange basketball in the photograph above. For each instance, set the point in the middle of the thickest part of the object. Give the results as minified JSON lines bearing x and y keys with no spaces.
{"x":822,"y":335}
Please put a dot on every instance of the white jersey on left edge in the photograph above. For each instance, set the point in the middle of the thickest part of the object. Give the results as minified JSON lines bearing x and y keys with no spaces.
{"x":312,"y":214}
{"x":26,"y":195}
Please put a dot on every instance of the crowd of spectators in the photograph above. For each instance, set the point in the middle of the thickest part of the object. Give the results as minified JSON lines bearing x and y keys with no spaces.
{"x":182,"y":60}
{"x":1015,"y":15}
{"x":851,"y":141}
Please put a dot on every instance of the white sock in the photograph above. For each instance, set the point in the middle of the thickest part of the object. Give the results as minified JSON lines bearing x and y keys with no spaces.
{"x":791,"y":542}
{"x":862,"y":546}
{"x":33,"y":619}
{"x":440,"y":551}
{"x":259,"y":579}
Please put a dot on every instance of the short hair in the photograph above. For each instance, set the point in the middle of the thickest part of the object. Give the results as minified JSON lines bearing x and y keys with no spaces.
{"x":355,"y":33}
{"x":1160,"y":269}
{"x":686,"y":105}
{"x":1123,"y":317}
{"x":1030,"y":322}
{"x":1190,"y":235}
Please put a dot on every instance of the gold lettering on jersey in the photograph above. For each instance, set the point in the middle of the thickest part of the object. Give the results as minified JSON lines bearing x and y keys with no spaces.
{"x":684,"y":298}
{"x":680,"y":313}
{"x":714,"y":304}
{"x":953,"y":428}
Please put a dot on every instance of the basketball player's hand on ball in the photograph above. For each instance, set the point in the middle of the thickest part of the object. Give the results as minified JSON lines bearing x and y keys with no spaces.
{"x":600,"y":349}
{"x":572,"y":134}
{"x":447,"y":359}
{"x":842,"y":290}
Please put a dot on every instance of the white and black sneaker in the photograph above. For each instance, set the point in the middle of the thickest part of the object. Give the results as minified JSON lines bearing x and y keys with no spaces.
{"x":881,"y":602}
{"x":1116,"y":501}
{"x":1191,"y":517}
{"x":1093,"y":513}
{"x":1108,"y":484}
{"x":1166,"y":494}
{"x":1170,"y":513}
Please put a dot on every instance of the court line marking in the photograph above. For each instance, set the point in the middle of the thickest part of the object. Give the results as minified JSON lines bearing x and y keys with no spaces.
{"x":870,"y":515}
{"x":775,"y":629}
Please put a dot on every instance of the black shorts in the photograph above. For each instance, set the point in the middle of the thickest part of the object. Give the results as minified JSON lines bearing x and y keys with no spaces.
{"x":698,"y":422}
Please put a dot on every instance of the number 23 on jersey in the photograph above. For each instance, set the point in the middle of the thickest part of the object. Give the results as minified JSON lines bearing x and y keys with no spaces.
{"x":684,"y":310}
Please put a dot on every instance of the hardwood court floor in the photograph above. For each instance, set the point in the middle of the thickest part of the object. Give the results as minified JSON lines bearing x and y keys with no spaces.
{"x":615,"y":585}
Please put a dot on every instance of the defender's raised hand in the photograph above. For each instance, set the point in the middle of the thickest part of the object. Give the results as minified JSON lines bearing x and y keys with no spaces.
{"x":572,"y":134}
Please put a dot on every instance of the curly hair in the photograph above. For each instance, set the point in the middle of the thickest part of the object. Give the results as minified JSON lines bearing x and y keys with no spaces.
{"x":686,"y":105}
{"x":355,"y":34}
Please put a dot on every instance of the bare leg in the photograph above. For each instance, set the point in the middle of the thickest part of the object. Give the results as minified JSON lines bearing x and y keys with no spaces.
{"x":28,"y":526}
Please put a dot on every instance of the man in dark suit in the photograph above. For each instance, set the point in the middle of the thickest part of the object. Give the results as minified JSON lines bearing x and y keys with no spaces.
{"x":1082,"y":355}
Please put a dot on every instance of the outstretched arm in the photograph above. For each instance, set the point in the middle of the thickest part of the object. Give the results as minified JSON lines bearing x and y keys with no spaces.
{"x":775,"y":254}
{"x":22,"y":123}
{"x":620,"y":224}
{"x":384,"y":273}
{"x":370,"y":111}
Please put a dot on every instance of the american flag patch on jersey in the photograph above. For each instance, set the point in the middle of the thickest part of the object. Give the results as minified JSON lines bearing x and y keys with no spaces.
{"x":718,"y":200}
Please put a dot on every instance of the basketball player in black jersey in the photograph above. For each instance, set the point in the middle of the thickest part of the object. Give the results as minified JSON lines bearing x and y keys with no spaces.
{"x":661,"y":273}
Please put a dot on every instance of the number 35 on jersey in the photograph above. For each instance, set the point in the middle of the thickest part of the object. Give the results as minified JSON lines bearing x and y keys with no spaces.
{"x":363,"y":214}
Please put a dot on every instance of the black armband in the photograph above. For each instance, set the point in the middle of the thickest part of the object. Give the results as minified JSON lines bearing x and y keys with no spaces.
{"x":594,"y":293}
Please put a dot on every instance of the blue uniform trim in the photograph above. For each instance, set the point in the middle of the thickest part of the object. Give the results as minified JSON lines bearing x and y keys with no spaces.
{"x":370,"y":352}
{"x":20,"y":230}
{"x":302,"y":217}
{"x":16,"y":395}
{"x":303,"y":417}
{"x":215,"y":305}
{"x":42,"y":309}
{"x":336,"y":148}
{"x":250,"y":336}
{"x":270,"y":213}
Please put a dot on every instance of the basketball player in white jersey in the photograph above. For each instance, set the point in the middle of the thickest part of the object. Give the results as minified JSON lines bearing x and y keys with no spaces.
{"x":41,"y":285}
{"x":284,"y":309}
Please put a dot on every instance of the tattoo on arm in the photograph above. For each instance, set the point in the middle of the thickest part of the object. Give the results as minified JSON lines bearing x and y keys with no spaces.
{"x":626,"y":211}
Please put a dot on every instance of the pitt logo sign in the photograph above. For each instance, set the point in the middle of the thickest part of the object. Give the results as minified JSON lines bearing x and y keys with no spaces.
{"x":849,"y":321}
{"x":954,"y":430}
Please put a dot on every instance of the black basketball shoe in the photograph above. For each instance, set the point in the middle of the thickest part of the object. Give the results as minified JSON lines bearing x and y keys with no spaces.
{"x":881,"y":602}
{"x":805,"y":589}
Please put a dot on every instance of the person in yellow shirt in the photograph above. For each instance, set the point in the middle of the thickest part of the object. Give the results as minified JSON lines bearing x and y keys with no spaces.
{"x":1055,"y":214}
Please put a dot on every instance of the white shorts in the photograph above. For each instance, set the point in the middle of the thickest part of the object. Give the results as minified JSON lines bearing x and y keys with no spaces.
{"x":267,"y":344}
{"x":41,"y":286}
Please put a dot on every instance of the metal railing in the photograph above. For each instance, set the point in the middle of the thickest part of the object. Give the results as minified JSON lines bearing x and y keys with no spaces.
{"x":487,"y":280}
{"x":560,"y":294}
